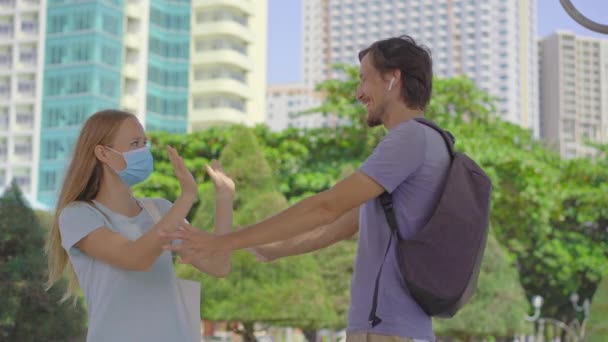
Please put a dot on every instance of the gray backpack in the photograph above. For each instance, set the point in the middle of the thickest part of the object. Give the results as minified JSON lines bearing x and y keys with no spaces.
{"x":440,"y":263}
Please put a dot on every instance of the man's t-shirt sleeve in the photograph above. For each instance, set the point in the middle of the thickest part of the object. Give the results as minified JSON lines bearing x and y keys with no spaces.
{"x":397,"y":156}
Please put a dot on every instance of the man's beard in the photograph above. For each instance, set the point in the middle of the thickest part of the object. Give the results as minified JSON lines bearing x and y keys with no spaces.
{"x":373,"y":122}
{"x":375,"y":118}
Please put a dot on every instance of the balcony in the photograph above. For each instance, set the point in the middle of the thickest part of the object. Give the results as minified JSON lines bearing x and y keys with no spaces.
{"x":245,"y":6}
{"x":223,"y":56}
{"x":221,"y":28}
{"x":133,"y":40}
{"x":134,"y":10}
{"x":201,"y":119}
{"x":130,"y":101}
{"x":130,"y":71}
{"x":221,"y":85}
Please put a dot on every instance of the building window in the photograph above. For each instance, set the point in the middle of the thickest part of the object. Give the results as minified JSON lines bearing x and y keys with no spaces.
{"x":83,"y":21}
{"x":26,"y":86}
{"x":6,"y":58}
{"x":109,"y":55}
{"x":29,"y":25}
{"x":80,"y":83}
{"x":48,"y":181}
{"x":110,"y":24}
{"x":25,"y":118}
{"x":82,"y":52}
{"x":54,"y":86}
{"x":3,"y":149}
{"x":221,"y":44}
{"x":23,"y":147}
{"x":6,"y":26}
{"x":5,"y":88}
{"x":28,"y":56}
{"x":107,"y":87}
{"x":56,"y":54}
{"x":222,"y":72}
{"x":4,"y":119}
{"x":220,"y":102}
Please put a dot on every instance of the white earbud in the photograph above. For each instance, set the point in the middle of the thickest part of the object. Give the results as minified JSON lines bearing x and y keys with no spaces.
{"x":390,"y":85}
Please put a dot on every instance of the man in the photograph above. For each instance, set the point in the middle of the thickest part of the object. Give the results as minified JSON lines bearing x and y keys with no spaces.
{"x":411,"y":162}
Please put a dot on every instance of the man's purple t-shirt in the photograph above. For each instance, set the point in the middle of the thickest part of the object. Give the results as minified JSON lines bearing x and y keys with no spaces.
{"x":411,"y":162}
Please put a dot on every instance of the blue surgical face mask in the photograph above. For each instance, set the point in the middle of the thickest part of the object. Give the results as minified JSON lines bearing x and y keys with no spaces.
{"x":140,"y":164}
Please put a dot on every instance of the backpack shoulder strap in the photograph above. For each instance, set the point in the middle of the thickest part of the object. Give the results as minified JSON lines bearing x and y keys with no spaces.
{"x":149,"y":206}
{"x":386,"y":200}
{"x":447,"y":136}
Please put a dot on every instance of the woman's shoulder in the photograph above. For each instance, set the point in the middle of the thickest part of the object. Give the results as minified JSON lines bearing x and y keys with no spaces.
{"x":162,"y":204}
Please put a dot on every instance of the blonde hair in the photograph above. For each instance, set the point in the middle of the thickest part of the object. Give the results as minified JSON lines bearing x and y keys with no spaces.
{"x":81,"y":183}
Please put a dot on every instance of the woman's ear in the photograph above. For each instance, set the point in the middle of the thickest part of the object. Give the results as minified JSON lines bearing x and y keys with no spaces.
{"x":101,"y":153}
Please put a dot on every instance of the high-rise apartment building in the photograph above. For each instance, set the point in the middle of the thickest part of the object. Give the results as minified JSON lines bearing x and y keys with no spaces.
{"x":179,"y":65}
{"x":228,"y":62}
{"x":22,"y":24}
{"x":574,"y":93}
{"x":168,"y":65}
{"x":285,"y":102}
{"x":493,"y":42}
{"x":82,"y":74}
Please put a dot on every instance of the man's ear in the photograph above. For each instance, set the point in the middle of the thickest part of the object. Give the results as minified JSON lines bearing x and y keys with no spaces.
{"x":393,"y":76}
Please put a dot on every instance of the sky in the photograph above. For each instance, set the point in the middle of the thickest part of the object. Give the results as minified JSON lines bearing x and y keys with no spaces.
{"x":285,"y":31}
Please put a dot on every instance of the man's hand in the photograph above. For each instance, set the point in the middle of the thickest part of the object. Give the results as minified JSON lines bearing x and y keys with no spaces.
{"x":195,"y":244}
{"x":262,"y":254}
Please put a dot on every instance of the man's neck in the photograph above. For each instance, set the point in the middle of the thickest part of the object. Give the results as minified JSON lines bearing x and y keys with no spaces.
{"x":398,"y":113}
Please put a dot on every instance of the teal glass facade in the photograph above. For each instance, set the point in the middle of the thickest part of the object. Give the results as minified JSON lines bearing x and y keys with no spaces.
{"x":82,"y":74}
{"x":84,"y":55}
{"x":168,"y":66}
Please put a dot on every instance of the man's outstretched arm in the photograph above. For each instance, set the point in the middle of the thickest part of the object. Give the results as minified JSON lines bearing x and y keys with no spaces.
{"x":319,"y":210}
{"x":343,"y":228}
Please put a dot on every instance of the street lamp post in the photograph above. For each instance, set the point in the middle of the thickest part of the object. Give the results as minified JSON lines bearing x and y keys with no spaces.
{"x":576,"y":330}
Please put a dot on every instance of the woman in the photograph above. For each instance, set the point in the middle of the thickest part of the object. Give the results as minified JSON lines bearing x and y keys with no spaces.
{"x":114,"y":245}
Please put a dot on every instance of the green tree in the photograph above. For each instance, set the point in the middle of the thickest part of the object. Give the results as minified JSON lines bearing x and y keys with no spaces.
{"x":597,"y":329}
{"x":197,"y":149}
{"x":289,"y":292}
{"x":27,"y":311}
{"x":498,"y":306}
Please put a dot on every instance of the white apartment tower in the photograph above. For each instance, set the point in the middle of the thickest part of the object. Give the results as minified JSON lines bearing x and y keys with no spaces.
{"x":227,"y":62}
{"x":493,"y":42}
{"x":285,"y":101}
{"x":574,"y":93}
{"x":22,"y":31}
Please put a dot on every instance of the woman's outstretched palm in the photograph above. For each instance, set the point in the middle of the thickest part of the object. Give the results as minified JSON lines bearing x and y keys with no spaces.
{"x":224,"y":185}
